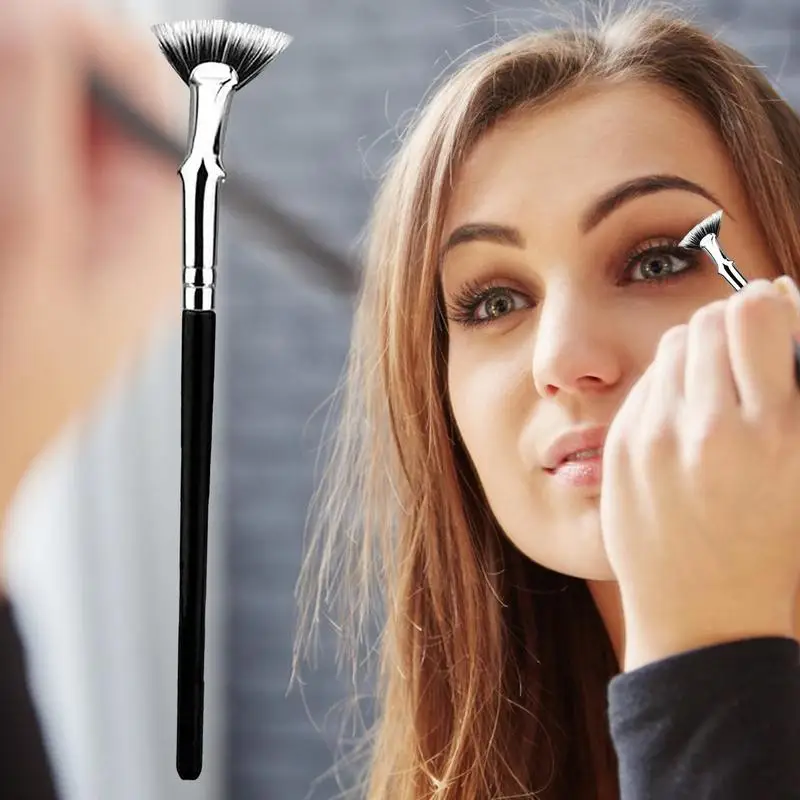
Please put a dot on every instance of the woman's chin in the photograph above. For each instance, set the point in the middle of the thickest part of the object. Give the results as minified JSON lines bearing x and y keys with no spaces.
{"x":573,"y":547}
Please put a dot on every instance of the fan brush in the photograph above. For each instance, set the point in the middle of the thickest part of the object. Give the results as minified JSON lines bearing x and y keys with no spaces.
{"x":214,"y":58}
{"x":705,"y":236}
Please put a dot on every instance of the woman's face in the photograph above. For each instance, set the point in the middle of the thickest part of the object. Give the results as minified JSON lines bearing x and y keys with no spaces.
{"x":561,"y":287}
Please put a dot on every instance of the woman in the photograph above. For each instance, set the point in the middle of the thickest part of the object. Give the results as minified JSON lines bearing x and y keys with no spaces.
{"x":522,"y":269}
{"x":510,"y":302}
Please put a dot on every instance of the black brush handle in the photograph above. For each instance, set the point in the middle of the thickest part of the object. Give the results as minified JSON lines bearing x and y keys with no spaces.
{"x":797,"y":364}
{"x":197,"y":404}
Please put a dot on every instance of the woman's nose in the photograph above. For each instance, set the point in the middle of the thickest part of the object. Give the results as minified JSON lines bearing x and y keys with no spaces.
{"x":575,"y":348}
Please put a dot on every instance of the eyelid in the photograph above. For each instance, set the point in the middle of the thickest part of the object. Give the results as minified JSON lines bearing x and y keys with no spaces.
{"x":651,"y":243}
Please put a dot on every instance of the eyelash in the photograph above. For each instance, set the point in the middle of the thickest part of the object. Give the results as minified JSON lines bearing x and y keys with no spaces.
{"x":462,"y":308}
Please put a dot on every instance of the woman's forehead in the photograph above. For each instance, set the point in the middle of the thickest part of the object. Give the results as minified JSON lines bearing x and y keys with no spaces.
{"x":563,"y":156}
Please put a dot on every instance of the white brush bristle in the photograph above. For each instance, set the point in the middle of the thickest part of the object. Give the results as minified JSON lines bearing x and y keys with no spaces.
{"x":710,"y":224}
{"x":244,"y":47}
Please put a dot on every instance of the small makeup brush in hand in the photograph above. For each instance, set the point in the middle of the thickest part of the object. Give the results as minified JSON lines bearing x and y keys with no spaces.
{"x":705,"y":236}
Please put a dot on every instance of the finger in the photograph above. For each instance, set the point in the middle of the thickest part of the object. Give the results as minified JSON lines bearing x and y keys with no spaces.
{"x":661,"y":420}
{"x":617,"y":450}
{"x":759,"y":324}
{"x":654,"y":404}
{"x":623,"y":426}
{"x":39,"y":127}
{"x":710,"y":388}
{"x":128,"y":57}
{"x":668,"y":370}
{"x":786,"y":286}
{"x":125,"y":174}
{"x":137,"y":194}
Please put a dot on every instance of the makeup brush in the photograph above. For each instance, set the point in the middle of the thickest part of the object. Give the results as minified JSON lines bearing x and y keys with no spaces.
{"x":321,"y":265}
{"x":214,"y":58}
{"x":705,"y":236}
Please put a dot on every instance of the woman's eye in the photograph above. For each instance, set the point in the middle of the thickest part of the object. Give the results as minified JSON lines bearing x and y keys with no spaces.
{"x":497,"y":303}
{"x":477,"y":304}
{"x":659,"y":263}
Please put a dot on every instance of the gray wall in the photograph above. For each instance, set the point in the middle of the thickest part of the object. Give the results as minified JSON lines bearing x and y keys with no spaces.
{"x":313,"y":128}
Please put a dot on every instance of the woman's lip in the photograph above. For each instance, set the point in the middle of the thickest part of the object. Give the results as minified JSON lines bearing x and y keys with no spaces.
{"x":570,"y":442}
{"x":580,"y":473}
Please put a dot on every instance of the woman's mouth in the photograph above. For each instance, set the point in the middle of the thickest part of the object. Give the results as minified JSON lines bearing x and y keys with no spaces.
{"x":580,"y":469}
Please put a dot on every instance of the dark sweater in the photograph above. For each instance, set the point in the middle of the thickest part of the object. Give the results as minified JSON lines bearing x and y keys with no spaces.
{"x":24,"y":766}
{"x":721,"y":723}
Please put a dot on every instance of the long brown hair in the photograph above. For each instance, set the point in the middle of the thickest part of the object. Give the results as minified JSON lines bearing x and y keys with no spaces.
{"x":493,"y":670}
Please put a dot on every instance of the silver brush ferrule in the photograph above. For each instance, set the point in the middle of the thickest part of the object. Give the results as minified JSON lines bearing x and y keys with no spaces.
{"x":725,"y":267}
{"x":711,"y":246}
{"x":211,"y":86}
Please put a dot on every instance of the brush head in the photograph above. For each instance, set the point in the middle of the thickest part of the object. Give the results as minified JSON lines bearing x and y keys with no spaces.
{"x":245,"y":48}
{"x":696,"y":235}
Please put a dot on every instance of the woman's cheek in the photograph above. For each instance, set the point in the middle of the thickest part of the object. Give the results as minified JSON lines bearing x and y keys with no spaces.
{"x":487,"y":391}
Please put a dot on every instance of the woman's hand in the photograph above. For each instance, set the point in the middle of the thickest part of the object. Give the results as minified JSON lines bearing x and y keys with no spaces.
{"x":700,"y":505}
{"x":90,"y":224}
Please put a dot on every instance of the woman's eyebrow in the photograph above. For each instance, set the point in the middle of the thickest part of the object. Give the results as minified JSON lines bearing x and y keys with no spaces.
{"x":483,"y":232}
{"x":600,"y":209}
{"x":632,"y":189}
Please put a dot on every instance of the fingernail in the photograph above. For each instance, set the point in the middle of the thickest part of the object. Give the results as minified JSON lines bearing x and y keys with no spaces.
{"x":788,"y":287}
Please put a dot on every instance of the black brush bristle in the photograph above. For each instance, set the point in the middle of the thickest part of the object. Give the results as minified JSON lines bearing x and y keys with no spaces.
{"x":244,"y":47}
{"x":696,"y":235}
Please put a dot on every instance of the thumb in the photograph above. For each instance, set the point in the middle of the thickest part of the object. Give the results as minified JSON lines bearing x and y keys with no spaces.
{"x":135,"y":259}
{"x":39,"y":131}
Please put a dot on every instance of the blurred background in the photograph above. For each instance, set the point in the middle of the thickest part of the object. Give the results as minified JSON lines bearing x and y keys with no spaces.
{"x":93,"y":550}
